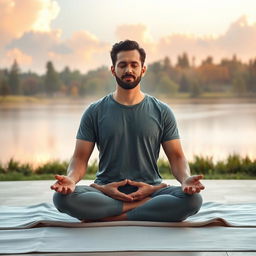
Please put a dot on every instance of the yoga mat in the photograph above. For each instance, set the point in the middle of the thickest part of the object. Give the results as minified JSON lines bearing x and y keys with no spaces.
{"x":41,"y":228}
{"x":232,"y":215}
{"x":99,"y":239}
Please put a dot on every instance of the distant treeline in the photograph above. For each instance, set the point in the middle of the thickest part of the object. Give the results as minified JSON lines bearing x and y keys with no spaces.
{"x":234,"y":167}
{"x":229,"y":76}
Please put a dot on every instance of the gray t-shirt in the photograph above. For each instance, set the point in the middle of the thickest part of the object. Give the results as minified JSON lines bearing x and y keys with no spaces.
{"x":128,"y":137}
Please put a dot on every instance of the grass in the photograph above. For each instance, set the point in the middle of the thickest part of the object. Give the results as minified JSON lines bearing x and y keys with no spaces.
{"x":19,"y":99}
{"x":234,"y":167}
{"x":42,"y":99}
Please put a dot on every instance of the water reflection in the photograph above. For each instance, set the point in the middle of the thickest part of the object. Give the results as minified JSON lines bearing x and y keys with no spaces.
{"x":38,"y":134}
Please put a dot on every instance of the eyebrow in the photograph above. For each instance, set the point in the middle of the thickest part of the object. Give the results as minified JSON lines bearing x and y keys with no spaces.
{"x":125,"y":62}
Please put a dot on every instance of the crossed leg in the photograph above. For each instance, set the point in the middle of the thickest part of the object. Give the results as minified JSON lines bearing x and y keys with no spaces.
{"x":166,"y":204}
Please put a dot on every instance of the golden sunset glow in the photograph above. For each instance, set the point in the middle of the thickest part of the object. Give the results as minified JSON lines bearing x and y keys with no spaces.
{"x":49,"y":12}
{"x":80,"y":35}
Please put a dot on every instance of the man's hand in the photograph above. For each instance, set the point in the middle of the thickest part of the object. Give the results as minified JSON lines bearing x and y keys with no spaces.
{"x":64,"y":184}
{"x":192,"y":184}
{"x":144,"y":189}
{"x":111,"y":189}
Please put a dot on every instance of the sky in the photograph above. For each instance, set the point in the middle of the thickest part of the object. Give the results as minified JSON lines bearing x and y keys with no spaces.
{"x":80,"y":33}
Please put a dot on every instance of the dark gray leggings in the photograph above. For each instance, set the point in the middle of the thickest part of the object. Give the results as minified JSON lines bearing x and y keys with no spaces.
{"x":167,"y":204}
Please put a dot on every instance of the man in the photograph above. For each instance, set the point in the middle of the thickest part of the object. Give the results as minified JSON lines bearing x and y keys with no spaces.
{"x":128,"y":127}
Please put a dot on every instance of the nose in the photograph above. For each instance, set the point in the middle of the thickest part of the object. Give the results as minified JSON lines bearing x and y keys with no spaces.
{"x":128,"y":69}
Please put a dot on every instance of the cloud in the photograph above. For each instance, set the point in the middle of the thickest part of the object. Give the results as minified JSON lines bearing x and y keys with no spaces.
{"x":84,"y":51}
{"x":174,"y":45}
{"x":139,"y":33}
{"x":49,"y":11}
{"x":26,"y":35}
{"x":16,"y":54}
{"x":18,"y":17}
{"x":81,"y":51}
{"x":239,"y":39}
{"x":36,"y":45}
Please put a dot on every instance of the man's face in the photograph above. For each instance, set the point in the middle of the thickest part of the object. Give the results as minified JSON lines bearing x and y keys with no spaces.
{"x":128,"y":70}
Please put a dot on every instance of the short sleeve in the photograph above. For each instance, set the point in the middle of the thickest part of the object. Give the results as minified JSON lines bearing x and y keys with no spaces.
{"x":170,"y":129}
{"x":86,"y":129}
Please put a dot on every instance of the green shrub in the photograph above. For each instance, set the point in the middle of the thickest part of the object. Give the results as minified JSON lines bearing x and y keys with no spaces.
{"x":251,"y":169}
{"x":234,"y":164}
{"x":53,"y":167}
{"x":2,"y":169}
{"x":201,"y":165}
{"x":164,"y":167}
{"x":234,"y":167}
{"x":16,"y":167}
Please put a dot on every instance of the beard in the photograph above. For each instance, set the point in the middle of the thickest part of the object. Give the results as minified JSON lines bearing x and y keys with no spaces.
{"x":128,"y":85}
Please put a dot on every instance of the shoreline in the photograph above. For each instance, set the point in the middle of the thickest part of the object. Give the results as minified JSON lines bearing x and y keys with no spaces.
{"x":23,"y":101}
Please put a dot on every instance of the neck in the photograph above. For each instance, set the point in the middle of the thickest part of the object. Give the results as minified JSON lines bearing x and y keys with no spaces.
{"x":128,"y":97}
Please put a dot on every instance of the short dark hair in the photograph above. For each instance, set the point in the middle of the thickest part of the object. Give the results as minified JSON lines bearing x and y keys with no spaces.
{"x":127,"y":45}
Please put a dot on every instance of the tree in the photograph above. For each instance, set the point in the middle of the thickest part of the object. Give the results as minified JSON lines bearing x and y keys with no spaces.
{"x":251,"y":80}
{"x":183,"y":61}
{"x":239,"y":86}
{"x":4,"y":89}
{"x":195,"y":89}
{"x":94,"y":86}
{"x":14,"y":79}
{"x":166,"y":85}
{"x":208,"y":60}
{"x":66,"y":76}
{"x":30,"y":86}
{"x":184,"y":84}
{"x":52,"y":82}
{"x":167,"y":64}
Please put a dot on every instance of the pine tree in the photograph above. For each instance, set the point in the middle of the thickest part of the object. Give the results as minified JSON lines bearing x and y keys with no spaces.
{"x":52,"y":82}
{"x":14,"y":80}
{"x":183,"y":61}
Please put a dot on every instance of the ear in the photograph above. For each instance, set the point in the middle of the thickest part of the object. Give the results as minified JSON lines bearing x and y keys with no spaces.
{"x":113,"y":70}
{"x":143,"y":70}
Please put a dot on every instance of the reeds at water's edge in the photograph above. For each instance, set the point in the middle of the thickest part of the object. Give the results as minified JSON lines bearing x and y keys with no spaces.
{"x":234,"y":167}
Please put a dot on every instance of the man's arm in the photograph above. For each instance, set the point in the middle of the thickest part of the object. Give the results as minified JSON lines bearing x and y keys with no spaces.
{"x":180,"y":168}
{"x":76,"y":169}
{"x":79,"y":161}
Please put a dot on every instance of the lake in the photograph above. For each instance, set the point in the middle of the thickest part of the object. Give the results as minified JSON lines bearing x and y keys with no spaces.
{"x":39,"y":133}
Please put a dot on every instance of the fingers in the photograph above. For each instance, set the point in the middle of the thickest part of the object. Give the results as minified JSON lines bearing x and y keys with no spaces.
{"x":54,"y":186}
{"x":201,"y":187}
{"x":61,"y":189}
{"x":137,"y":196}
{"x":164,"y":185}
{"x":198,"y":177}
{"x":134,"y":183}
{"x":123,"y":197}
{"x":59,"y":177}
{"x":198,"y":189}
{"x":120,"y":183}
{"x":191,"y":190}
